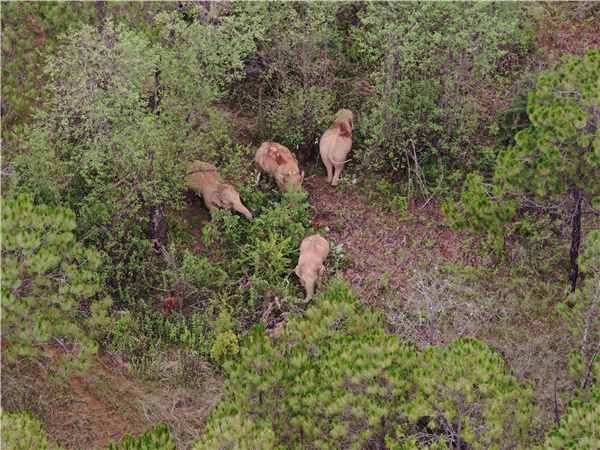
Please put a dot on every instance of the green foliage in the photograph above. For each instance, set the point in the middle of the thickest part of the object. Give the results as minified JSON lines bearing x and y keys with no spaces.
{"x":226,"y":344}
{"x":553,"y":160}
{"x":124,"y":119}
{"x":579,"y":428}
{"x":561,"y":150}
{"x":290,"y":71}
{"x":266,"y":247}
{"x":22,"y":432}
{"x":238,"y":432}
{"x":269,"y":259}
{"x":482,"y":207}
{"x":428,"y":61}
{"x":48,"y":287}
{"x":30,"y":32}
{"x":142,"y":336}
{"x":581,"y":310}
{"x":514,"y":118}
{"x":453,"y":387}
{"x":23,"y":46}
{"x":157,"y":439}
{"x":333,"y":379}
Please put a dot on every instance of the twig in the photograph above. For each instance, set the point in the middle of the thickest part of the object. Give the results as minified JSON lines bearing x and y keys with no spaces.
{"x":436,"y":189}
{"x":589,"y":369}
{"x":556,"y":404}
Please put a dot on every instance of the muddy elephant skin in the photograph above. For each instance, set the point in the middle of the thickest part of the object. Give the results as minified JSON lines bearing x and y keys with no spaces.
{"x":335,"y":144}
{"x":278,"y":162}
{"x":313,"y":252}
{"x":204,"y":179}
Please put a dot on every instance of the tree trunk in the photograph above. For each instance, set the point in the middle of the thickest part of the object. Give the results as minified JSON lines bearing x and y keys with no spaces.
{"x":158,"y":226}
{"x":157,"y":91}
{"x":99,"y":4}
{"x":575,"y":241}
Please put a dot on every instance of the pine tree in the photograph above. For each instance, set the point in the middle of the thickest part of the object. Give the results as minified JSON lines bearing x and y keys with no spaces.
{"x":555,"y":163}
{"x":22,"y":432}
{"x":579,"y":428}
{"x":333,"y":379}
{"x":470,"y":398}
{"x":48,"y":284}
{"x":581,"y":312}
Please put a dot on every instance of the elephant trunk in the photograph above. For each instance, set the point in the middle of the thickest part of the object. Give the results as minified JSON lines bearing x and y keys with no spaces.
{"x":242,"y":209}
{"x":310,"y":290}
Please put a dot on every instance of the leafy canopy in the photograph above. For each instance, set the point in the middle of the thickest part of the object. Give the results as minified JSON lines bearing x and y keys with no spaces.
{"x":334,"y":379}
{"x":558,"y":155}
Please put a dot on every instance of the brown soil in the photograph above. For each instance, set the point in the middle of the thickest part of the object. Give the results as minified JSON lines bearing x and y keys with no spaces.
{"x":380,"y":243}
{"x":97,"y":408}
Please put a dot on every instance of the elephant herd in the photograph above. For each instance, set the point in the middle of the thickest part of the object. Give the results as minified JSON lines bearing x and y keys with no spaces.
{"x":277,"y":161}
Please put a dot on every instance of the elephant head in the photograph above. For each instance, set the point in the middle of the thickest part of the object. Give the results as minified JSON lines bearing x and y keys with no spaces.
{"x":309,"y":273}
{"x":227,"y":197}
{"x":288,"y":176}
{"x":204,"y":179}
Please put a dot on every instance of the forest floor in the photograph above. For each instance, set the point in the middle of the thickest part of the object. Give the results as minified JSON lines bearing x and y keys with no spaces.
{"x":381,"y":238}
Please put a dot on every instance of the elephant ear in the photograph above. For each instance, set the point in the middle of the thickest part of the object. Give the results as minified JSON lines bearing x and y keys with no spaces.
{"x":216,"y":199}
{"x":297,"y":270}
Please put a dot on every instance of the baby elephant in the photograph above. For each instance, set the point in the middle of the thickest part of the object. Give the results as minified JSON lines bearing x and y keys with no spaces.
{"x":335,"y":144}
{"x":277,"y":161}
{"x":204,"y":180}
{"x":313,"y":251}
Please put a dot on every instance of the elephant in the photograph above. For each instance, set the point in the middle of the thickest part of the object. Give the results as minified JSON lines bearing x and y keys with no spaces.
{"x":277,"y":161}
{"x":313,"y":252}
{"x":335,"y":144}
{"x":204,"y":180}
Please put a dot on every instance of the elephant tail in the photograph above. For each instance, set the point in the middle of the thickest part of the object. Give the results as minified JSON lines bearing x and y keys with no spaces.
{"x":340,"y":162}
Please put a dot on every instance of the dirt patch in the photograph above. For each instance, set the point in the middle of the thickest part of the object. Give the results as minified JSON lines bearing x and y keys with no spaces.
{"x":97,"y":408}
{"x":381,"y":244}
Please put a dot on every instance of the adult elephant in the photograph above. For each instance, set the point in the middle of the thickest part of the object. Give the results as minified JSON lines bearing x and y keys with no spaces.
{"x":335,"y":144}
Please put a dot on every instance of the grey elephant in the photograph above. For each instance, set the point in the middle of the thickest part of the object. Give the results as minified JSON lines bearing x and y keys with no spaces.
{"x":204,"y":180}
{"x":313,"y":252}
{"x":278,"y":162}
{"x":335,"y":144}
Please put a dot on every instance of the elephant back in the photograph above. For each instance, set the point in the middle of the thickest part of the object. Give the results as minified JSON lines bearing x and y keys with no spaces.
{"x":202,"y":174}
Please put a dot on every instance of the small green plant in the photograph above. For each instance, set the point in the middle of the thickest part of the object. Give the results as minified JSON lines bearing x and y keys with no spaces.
{"x":23,"y":432}
{"x":337,"y":226}
{"x":157,"y":439}
{"x":269,"y":259}
{"x":226,"y":341}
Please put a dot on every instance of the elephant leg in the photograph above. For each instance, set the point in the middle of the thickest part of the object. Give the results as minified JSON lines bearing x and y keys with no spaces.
{"x":336,"y":176}
{"x":329,"y":168}
{"x":208,"y":201}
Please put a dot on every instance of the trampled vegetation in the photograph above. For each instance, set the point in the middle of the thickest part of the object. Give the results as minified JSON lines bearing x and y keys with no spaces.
{"x":458,"y":306}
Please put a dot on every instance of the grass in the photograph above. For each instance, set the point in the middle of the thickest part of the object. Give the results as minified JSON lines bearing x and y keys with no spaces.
{"x":105,"y":403}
